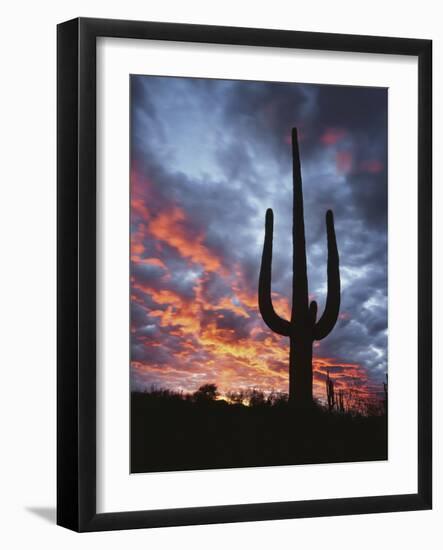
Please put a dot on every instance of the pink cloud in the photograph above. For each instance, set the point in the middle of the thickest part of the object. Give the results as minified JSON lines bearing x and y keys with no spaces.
{"x":371,"y":166}
{"x":344,"y":161}
{"x":332,"y":136}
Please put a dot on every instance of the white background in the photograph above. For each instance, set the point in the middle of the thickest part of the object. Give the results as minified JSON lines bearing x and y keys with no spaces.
{"x":27,"y":295}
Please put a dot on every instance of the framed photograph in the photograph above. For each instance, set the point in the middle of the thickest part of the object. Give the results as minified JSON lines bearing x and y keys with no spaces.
{"x":244,"y":274}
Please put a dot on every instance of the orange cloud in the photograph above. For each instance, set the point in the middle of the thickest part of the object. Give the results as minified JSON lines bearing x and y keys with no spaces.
{"x":169,"y":226}
{"x":227,"y":303}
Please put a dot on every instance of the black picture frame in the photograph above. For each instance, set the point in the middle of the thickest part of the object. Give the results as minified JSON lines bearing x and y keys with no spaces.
{"x":76,"y":295}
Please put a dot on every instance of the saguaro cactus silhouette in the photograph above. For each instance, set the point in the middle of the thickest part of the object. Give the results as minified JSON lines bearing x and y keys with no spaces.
{"x":303,"y":328}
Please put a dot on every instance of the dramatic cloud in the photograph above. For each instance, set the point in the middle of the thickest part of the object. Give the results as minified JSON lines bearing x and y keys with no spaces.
{"x":208,"y":157}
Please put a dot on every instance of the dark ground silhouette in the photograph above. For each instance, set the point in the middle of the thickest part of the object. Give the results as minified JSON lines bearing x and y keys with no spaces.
{"x":171,"y":431}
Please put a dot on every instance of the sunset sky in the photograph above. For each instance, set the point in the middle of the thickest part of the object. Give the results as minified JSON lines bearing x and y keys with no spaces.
{"x":208,"y":157}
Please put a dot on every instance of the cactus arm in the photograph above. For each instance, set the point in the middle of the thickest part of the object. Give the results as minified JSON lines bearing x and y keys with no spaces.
{"x":270,"y":317}
{"x":327,"y":321}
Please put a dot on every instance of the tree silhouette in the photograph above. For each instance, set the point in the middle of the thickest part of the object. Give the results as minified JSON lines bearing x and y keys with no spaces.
{"x":206,"y":393}
{"x":302,"y":329}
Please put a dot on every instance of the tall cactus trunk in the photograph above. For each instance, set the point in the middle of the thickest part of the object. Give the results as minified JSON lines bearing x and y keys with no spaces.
{"x":300,"y":350}
{"x":300,"y":295}
{"x":303,"y":327}
{"x":300,"y":372}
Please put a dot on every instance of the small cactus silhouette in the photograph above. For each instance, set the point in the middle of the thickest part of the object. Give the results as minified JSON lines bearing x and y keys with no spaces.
{"x":385,"y":391}
{"x":330,"y":392}
{"x":303,"y":328}
{"x":341,"y":402}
